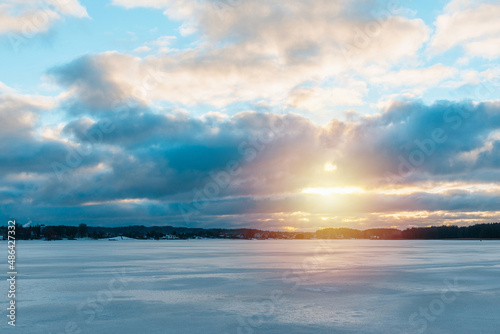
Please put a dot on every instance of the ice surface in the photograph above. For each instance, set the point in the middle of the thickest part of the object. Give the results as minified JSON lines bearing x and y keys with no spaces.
{"x":250,"y":286}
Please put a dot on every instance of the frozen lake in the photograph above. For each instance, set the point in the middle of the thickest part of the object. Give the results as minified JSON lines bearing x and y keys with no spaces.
{"x":249,"y":286}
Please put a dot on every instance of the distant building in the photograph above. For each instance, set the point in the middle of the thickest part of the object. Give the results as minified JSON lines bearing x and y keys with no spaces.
{"x":42,"y":230}
{"x":170,"y":237}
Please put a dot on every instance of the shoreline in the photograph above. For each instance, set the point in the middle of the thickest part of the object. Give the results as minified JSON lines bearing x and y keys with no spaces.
{"x":270,"y":239}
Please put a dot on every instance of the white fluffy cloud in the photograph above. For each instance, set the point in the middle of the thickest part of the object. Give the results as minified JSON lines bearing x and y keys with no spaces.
{"x":257,"y":50}
{"x":471,"y":25}
{"x":18,"y":113}
{"x":29,"y":17}
{"x":318,"y":99}
{"x":487,"y":48}
{"x":5,"y":89}
{"x":294,"y":30}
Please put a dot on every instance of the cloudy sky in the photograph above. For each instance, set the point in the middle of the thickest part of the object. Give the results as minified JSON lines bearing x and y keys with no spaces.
{"x":282,"y":114}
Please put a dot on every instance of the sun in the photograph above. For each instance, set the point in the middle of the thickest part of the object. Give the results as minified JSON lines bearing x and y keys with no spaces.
{"x":329,"y":167}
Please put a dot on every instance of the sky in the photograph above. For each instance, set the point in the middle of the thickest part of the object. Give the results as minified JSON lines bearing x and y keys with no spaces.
{"x":277,"y":115}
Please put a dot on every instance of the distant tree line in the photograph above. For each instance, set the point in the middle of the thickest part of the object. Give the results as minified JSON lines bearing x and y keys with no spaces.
{"x":59,"y":232}
{"x":480,"y":231}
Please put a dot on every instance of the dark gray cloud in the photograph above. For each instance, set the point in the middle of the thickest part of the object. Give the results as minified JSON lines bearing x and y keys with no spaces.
{"x":95,"y":88}
{"x":137,"y":165}
{"x":412,"y":138}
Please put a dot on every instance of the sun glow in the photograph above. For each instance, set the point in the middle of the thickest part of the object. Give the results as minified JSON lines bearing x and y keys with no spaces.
{"x":333,"y":191}
{"x":329,"y":167}
{"x":442,"y":188}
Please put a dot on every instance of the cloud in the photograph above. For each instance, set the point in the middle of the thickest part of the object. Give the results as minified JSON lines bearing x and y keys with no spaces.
{"x":142,"y":49}
{"x":218,"y":77}
{"x":98,"y":82}
{"x":255,"y":50}
{"x":31,"y":18}
{"x":19,"y":113}
{"x":488,"y":48}
{"x":69,"y":7}
{"x":319,"y":99}
{"x":5,"y":89}
{"x":413,"y":138}
{"x":25,"y":155}
{"x":134,"y":139}
{"x":151,"y":162}
{"x":418,"y":77}
{"x":470,"y":25}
